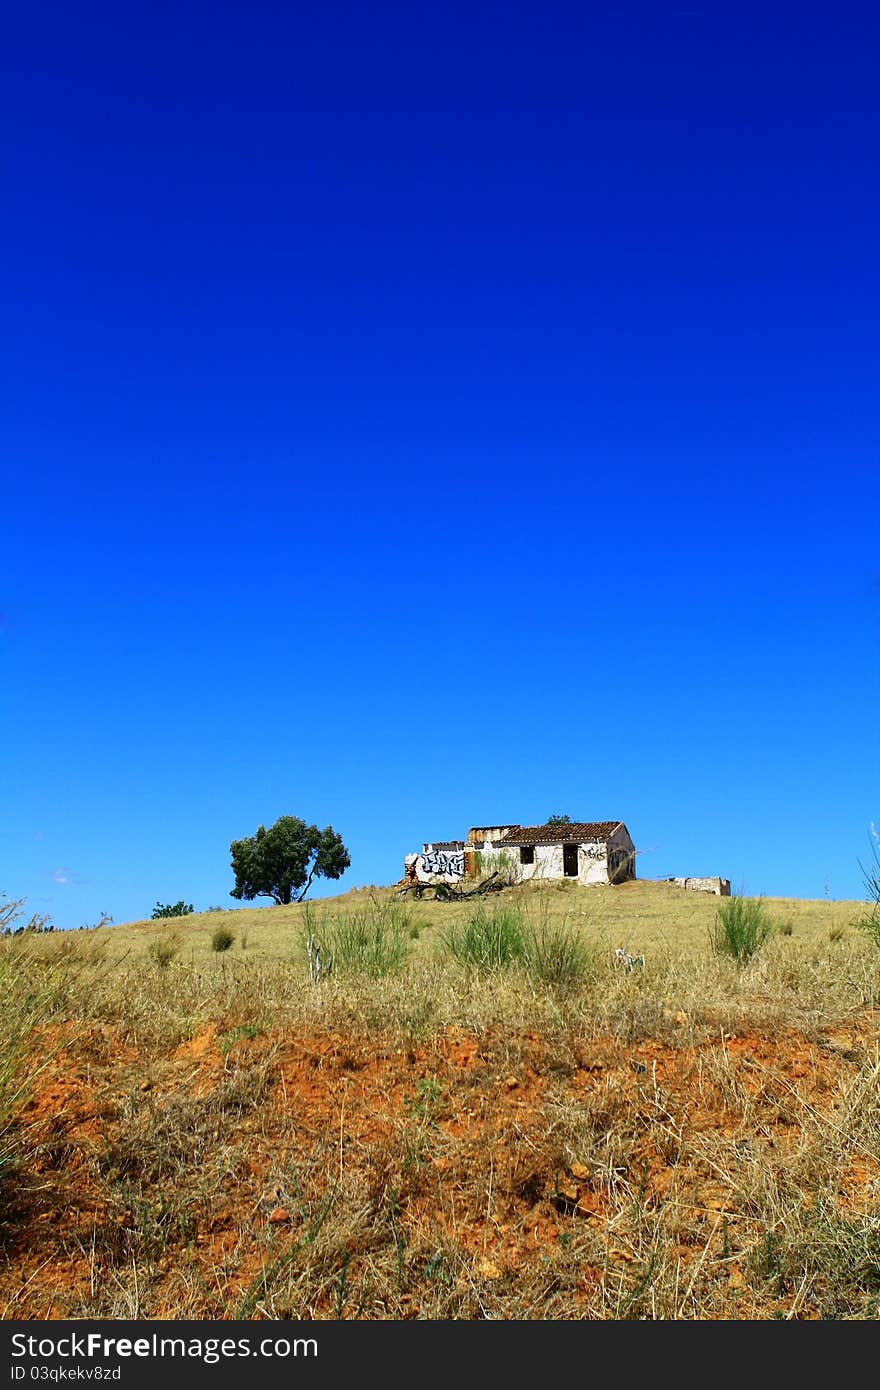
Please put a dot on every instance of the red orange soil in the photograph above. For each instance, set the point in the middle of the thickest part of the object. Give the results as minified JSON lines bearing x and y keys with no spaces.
{"x":492,"y":1161}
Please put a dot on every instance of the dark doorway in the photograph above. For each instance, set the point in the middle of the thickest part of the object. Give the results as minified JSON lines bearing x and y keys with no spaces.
{"x":570,"y":861}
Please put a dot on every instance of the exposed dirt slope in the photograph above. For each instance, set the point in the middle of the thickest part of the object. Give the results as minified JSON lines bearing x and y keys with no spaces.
{"x":305,"y":1174}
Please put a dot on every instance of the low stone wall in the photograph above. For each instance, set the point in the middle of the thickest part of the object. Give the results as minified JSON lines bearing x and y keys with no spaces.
{"x":719,"y":886}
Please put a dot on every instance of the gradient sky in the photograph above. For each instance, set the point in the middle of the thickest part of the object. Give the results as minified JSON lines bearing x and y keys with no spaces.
{"x":417,"y":417}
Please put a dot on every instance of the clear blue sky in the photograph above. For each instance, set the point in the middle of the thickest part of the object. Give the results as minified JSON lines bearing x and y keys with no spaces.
{"x":421,"y":416}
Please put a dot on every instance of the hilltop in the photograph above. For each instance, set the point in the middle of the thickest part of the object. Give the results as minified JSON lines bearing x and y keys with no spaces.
{"x":642,"y":914}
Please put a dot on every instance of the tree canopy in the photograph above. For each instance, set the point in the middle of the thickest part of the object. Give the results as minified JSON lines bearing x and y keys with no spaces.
{"x":282,"y":862}
{"x":559,"y":820}
{"x":178,"y":909}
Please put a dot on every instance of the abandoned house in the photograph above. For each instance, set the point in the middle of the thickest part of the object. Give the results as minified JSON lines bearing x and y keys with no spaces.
{"x":588,"y":852}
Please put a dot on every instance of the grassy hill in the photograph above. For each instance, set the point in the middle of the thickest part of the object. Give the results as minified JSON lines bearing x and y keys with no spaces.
{"x":641,"y":916}
{"x":194,"y":1133}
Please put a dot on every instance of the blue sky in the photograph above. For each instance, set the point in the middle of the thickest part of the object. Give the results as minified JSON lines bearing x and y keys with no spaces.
{"x":424,"y":417}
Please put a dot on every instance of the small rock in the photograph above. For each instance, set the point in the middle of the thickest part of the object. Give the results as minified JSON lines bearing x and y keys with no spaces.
{"x":279,"y":1215}
{"x":568,"y":1190}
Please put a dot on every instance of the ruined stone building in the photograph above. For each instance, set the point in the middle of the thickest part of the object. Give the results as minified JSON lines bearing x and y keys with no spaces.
{"x":588,"y":852}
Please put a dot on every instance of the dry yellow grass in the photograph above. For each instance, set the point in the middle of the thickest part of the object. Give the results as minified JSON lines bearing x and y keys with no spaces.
{"x":642,"y":916}
{"x":221,"y":1136}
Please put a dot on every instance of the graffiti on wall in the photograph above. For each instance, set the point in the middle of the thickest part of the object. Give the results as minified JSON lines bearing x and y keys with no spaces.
{"x":448,"y":862}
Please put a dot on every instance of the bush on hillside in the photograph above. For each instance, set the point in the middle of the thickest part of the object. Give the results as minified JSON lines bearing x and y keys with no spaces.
{"x":742,"y":925}
{"x":221,"y":939}
{"x":178,"y":909}
{"x":162,"y":950}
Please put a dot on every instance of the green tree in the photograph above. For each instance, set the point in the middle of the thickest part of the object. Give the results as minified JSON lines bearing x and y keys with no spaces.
{"x":559,"y":820}
{"x":279,"y":862}
{"x":178,"y":909}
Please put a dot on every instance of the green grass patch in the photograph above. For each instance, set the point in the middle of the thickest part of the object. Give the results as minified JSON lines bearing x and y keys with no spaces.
{"x":741,"y":927}
{"x":244,"y":1033}
{"x":370,"y":941}
{"x":558,"y":955}
{"x":487,"y":940}
{"x":551,"y":951}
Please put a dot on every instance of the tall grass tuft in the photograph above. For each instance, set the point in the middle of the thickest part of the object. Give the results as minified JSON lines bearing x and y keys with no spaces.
{"x":741,"y":927}
{"x":222,"y":938}
{"x":163,"y":950}
{"x":557,"y":955}
{"x":369,"y":941}
{"x":551,"y":953}
{"x":488,"y":940}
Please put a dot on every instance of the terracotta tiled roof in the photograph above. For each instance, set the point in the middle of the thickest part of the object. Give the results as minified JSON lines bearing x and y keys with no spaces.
{"x":574,"y":833}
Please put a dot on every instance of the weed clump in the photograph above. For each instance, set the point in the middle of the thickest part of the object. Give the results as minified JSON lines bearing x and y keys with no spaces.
{"x":558,"y":957}
{"x":221,"y":939}
{"x":370,"y":941}
{"x":741,"y":927}
{"x":162,"y":950}
{"x":552,"y":954}
{"x":487,"y":940}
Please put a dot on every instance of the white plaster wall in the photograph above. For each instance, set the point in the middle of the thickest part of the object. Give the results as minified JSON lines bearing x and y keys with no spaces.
{"x":592,"y":863}
{"x":549,"y":862}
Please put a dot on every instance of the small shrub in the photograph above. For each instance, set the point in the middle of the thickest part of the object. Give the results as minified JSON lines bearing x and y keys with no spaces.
{"x":786,"y":929}
{"x":221,"y":939}
{"x":488,"y":941}
{"x":162,"y":950}
{"x":742,"y":925}
{"x":178,"y":909}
